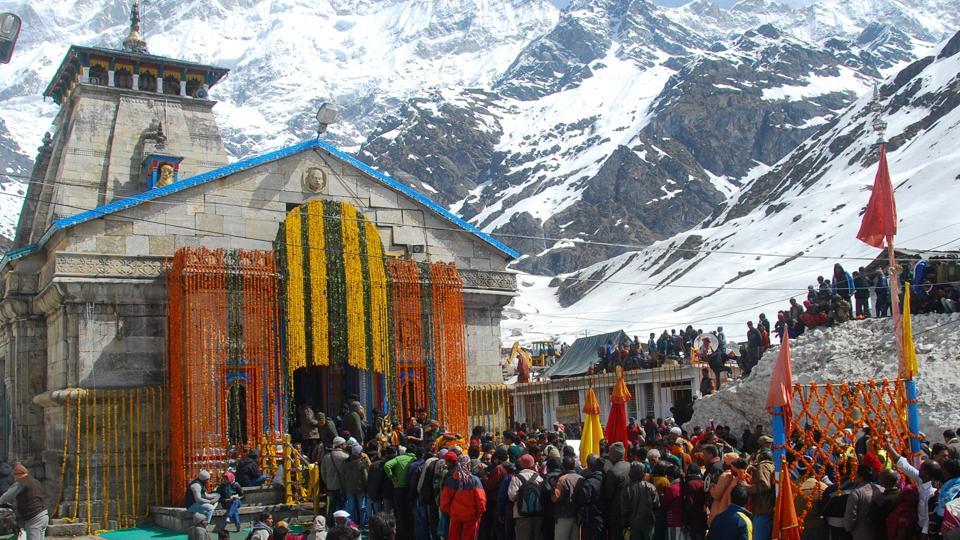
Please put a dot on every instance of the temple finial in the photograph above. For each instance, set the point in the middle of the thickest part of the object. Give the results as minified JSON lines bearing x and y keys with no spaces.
{"x":134,"y":41}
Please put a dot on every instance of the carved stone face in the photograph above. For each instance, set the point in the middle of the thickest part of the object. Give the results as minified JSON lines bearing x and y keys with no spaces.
{"x":314,"y":179}
{"x":165,"y":175}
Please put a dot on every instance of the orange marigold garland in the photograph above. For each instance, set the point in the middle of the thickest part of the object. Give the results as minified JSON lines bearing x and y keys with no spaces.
{"x":223,"y":339}
{"x":450,"y":347}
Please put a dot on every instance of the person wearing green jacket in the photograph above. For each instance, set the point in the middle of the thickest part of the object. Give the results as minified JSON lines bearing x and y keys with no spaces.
{"x":398,"y":471}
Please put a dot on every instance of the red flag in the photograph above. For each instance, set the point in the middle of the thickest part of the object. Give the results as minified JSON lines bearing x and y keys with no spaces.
{"x":780,"y":393}
{"x":880,"y":219}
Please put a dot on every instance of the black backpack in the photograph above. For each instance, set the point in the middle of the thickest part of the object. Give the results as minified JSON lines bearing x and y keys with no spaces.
{"x":530,"y":497}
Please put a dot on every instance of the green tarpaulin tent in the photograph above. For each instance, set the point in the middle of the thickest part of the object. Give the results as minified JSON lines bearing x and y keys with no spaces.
{"x":583,"y":353}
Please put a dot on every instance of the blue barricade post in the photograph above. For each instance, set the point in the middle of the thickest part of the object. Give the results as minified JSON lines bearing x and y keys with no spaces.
{"x":779,"y":438}
{"x":913,"y":415}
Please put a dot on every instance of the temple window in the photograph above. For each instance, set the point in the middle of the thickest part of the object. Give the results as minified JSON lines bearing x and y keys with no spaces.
{"x":123,"y":78}
{"x":193,"y":85}
{"x":171,"y":85}
{"x":148,"y":82}
{"x":98,"y":75}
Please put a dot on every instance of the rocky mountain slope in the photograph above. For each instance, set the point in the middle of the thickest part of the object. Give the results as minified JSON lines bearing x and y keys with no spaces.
{"x":614,"y":119}
{"x":784,"y":227}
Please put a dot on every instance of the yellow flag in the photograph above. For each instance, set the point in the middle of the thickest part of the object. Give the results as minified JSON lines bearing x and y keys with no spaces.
{"x":592,"y":429}
{"x":910,"y":367}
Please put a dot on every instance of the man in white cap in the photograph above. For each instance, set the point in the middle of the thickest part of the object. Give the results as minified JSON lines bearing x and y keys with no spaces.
{"x":199,"y":529}
{"x":331,"y":471}
{"x":197,"y":499}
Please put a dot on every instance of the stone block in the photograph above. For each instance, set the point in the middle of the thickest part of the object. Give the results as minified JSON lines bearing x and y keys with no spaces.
{"x":138,"y":245}
{"x":209,"y":224}
{"x":162,"y":245}
{"x":260,"y":229}
{"x":111,"y":244}
{"x":225,"y":209}
{"x":385,"y":218}
{"x":382,"y":197}
{"x":409,"y":236}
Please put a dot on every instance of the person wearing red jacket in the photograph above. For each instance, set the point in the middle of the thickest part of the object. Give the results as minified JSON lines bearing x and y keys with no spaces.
{"x":464,"y":500}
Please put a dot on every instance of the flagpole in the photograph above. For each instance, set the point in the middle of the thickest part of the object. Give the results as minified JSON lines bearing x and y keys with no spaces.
{"x":779,"y":437}
{"x":910,"y":386}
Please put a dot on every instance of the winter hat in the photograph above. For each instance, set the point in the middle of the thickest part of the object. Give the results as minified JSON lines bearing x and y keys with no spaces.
{"x":443,"y":452}
{"x":501,"y":453}
{"x":526,"y":462}
{"x":401,"y":450}
{"x":199,"y":517}
{"x":281,"y":524}
{"x":552,"y":451}
{"x":637,"y":471}
{"x":204,"y":475}
{"x":356,"y":450}
{"x":617,"y":451}
{"x":450,"y":457}
{"x":676,"y":431}
{"x":352,"y":442}
{"x":764,"y":440}
{"x":341,"y":514}
{"x":229,"y":476}
{"x":338,"y":441}
{"x":730,"y":457}
{"x":19,"y":471}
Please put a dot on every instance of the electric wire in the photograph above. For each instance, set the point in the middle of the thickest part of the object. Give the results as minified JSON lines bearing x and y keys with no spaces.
{"x":577,"y":241}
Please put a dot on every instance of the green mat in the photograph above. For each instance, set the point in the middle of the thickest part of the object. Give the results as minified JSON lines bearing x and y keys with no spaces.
{"x":146,"y":533}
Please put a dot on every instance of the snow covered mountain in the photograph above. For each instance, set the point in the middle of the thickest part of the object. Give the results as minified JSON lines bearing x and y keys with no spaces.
{"x":613,"y":119}
{"x":285,"y":56}
{"x":928,"y":20}
{"x":784,"y":227}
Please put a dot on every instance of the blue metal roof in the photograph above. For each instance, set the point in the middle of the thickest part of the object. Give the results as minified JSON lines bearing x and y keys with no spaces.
{"x":242,"y":165}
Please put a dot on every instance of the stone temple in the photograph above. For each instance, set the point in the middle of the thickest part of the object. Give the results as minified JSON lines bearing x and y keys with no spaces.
{"x":134,"y":172}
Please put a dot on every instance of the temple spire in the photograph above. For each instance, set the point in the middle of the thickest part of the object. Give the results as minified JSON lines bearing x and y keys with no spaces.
{"x":134,"y":41}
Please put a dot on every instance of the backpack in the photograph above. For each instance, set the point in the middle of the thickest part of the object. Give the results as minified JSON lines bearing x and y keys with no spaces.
{"x":951,"y":518}
{"x":530,"y":497}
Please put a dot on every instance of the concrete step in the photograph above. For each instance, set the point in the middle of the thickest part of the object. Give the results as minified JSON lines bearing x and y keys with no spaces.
{"x":180,"y":520}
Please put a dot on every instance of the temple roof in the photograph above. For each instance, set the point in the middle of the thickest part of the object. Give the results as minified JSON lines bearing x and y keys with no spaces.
{"x":242,"y":165}
{"x":78,"y":56}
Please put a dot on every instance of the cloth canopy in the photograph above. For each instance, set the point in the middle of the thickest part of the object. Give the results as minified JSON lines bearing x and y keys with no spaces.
{"x":616,"y":430}
{"x":582,"y":354}
{"x":592,"y":430}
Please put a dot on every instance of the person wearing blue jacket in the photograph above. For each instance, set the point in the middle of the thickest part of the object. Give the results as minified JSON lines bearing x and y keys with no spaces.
{"x":843,"y":285}
{"x":734,"y":523}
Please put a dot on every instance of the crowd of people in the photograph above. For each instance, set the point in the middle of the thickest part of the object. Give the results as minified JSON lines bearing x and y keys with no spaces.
{"x":662,"y":484}
{"x":841,"y":298}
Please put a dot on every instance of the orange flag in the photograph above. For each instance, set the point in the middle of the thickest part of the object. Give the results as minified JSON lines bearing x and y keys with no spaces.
{"x":880,"y":219}
{"x":780,"y":393}
{"x":786,"y":526}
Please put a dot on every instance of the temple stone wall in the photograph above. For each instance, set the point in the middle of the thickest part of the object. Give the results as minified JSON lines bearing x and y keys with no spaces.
{"x":98,"y":158}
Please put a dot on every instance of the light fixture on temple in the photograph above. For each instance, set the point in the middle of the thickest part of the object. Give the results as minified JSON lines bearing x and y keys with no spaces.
{"x":327,"y":115}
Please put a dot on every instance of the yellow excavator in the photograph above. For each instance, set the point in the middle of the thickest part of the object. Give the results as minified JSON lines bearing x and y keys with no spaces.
{"x":544,"y":352}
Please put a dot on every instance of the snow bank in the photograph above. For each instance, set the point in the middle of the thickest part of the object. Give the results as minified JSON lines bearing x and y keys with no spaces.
{"x":855,"y":351}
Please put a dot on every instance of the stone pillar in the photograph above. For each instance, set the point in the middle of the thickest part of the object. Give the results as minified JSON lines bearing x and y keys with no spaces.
{"x":136,"y":81}
{"x":25,"y":377}
{"x":110,"y":80}
{"x":159,"y":85}
{"x":183,"y":88}
{"x":85,"y":74}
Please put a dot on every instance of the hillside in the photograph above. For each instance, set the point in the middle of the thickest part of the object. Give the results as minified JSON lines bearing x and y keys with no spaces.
{"x":784,"y":228}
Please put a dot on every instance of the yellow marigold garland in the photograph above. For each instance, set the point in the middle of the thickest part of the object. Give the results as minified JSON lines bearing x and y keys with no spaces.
{"x":379,"y":316}
{"x":316,"y":251}
{"x":356,"y":337}
{"x":296,"y":353}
